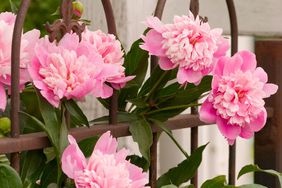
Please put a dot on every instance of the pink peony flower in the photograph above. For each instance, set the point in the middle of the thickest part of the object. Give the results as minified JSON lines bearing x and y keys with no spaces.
{"x":188,"y":44}
{"x":68,"y":69}
{"x":236,"y":102}
{"x":7,"y":21}
{"x":111,"y":52}
{"x":106,"y":168}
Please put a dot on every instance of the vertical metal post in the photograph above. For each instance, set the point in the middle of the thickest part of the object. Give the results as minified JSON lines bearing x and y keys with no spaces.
{"x":15,"y":96}
{"x":154,"y":148}
{"x":194,"y":8}
{"x":112,"y":30}
{"x":234,"y":49}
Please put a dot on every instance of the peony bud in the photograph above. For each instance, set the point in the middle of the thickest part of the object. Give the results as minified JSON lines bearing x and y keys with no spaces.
{"x":77,"y":9}
{"x":5,"y":125}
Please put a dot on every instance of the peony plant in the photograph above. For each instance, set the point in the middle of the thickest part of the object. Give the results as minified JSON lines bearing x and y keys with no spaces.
{"x":192,"y":65}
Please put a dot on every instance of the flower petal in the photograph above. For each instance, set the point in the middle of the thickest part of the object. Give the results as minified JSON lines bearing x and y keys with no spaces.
{"x":155,"y":23}
{"x":228,"y":130}
{"x":249,"y":60}
{"x":106,"y":144}
{"x":73,"y":160}
{"x":234,"y":64}
{"x":270,"y":89}
{"x":259,"y":122}
{"x":3,"y":98}
{"x":188,"y":75}
{"x":166,"y":64}
{"x":153,"y":43}
{"x":246,"y":132}
{"x":207,"y":112}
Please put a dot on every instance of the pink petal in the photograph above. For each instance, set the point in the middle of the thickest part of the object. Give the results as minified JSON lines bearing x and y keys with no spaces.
{"x":246,"y":132}
{"x":153,"y":43}
{"x":106,"y":144}
{"x":219,"y":67}
{"x":102,"y":90}
{"x":233,"y":64}
{"x":259,"y":123}
{"x":188,"y":75}
{"x":155,"y":23}
{"x":270,"y":89}
{"x":3,"y":98}
{"x":51,"y":98}
{"x":249,"y":60}
{"x":166,"y":64}
{"x":207,"y":112}
{"x":227,"y":130}
{"x":222,"y":47}
{"x":69,"y":41}
{"x":73,"y":160}
{"x":261,"y":74}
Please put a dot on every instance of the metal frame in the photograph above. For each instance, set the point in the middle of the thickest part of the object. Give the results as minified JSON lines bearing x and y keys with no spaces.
{"x":18,"y":143}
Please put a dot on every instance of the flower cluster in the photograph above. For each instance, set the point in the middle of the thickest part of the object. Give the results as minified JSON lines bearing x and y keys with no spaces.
{"x":188,"y":44}
{"x":236,"y":102}
{"x":106,"y":168}
{"x":7,"y":22}
{"x":71,"y":69}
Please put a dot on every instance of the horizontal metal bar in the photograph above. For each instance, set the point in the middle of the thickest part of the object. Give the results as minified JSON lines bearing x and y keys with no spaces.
{"x":40,"y":140}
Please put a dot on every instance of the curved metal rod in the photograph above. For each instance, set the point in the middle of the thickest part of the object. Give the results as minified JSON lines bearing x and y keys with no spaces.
{"x":109,"y":13}
{"x":160,"y":8}
{"x":111,"y":29}
{"x":194,"y":7}
{"x":15,"y":74}
{"x":234,"y":49}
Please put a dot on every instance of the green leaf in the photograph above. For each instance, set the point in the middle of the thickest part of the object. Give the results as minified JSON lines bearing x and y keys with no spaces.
{"x":49,"y":153}
{"x":9,"y":178}
{"x":138,"y":161}
{"x":13,"y":6}
{"x":169,"y":186}
{"x":142,"y":134}
{"x":251,"y":186}
{"x":32,"y":165}
{"x":87,"y":145}
{"x":121,"y":116}
{"x":4,"y":159}
{"x":184,"y":171}
{"x":216,"y":182}
{"x":255,"y":168}
{"x":52,"y":125}
{"x":76,"y":113}
{"x":49,"y":174}
{"x":135,"y":63}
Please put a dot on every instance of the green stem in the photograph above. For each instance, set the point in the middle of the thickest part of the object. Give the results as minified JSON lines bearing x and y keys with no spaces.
{"x":173,"y":108}
{"x":155,"y":86}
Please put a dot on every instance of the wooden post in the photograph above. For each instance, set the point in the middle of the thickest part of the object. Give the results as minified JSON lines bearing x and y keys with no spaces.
{"x":268,"y":142}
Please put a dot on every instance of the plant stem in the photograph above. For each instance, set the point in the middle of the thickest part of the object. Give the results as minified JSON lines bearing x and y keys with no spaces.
{"x":156,"y":85}
{"x":173,"y":108}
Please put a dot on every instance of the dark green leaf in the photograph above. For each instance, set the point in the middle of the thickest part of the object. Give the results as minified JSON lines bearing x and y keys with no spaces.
{"x":136,"y":63}
{"x":138,"y":161}
{"x":49,"y":153}
{"x":216,"y":182}
{"x":32,"y":165}
{"x":142,"y":134}
{"x":169,"y":186}
{"x":87,"y":145}
{"x":255,"y":168}
{"x":184,"y":171}
{"x":251,"y":186}
{"x":49,"y":174}
{"x":76,"y":113}
{"x":121,"y":116}
{"x":9,"y":178}
{"x":13,"y":7}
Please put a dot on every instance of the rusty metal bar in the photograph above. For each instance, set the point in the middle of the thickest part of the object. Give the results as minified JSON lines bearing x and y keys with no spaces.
{"x":39,"y":140}
{"x":194,"y":8}
{"x":15,"y":96}
{"x":234,"y":49}
{"x":112,"y":30}
{"x":154,"y":148}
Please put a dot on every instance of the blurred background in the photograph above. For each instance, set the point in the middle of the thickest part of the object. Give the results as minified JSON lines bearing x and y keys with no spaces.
{"x":256,"y":18}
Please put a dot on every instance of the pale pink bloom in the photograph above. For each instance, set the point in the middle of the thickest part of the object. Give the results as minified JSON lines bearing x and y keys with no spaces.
{"x":236,"y":102}
{"x":7,"y":21}
{"x":188,"y":44}
{"x":68,"y":69}
{"x":111,"y":52}
{"x":106,"y":168}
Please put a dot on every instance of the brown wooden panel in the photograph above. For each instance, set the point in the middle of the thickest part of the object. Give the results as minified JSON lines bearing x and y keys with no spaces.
{"x":268,"y":142}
